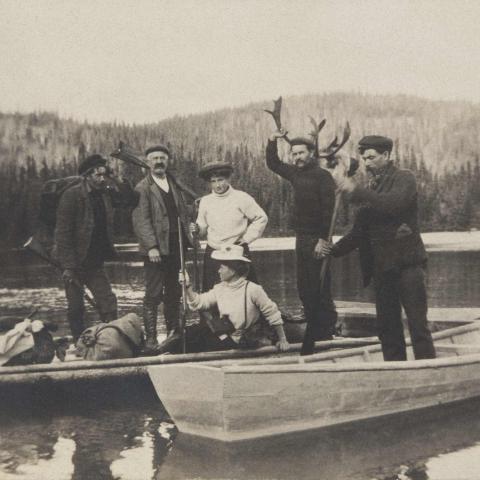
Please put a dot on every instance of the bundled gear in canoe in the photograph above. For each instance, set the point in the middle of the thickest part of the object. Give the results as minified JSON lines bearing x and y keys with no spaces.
{"x":28,"y":342}
{"x":122,"y":338}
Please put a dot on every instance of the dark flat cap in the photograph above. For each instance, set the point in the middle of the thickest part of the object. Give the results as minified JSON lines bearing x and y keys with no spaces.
{"x":90,"y":162}
{"x":215,"y":168}
{"x":157,"y":148}
{"x":377,"y":142}
{"x":303,"y":141}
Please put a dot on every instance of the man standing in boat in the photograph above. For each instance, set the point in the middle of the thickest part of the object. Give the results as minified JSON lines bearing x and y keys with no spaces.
{"x":84,"y":238}
{"x":225,"y":217}
{"x":392,"y":253}
{"x":314,"y":200}
{"x":155,"y":222}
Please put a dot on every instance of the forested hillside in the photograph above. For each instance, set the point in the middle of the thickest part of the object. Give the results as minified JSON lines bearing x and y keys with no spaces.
{"x":440,"y":141}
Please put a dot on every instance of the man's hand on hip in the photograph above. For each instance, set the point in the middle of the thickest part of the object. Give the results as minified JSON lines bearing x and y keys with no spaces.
{"x":154,"y":255}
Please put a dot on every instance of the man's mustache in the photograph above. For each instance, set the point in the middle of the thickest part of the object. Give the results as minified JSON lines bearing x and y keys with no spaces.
{"x":160,"y":165}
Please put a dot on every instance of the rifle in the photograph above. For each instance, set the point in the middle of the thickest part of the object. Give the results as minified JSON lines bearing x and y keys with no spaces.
{"x":129,"y":155}
{"x":184,"y":290}
{"x":36,"y":247}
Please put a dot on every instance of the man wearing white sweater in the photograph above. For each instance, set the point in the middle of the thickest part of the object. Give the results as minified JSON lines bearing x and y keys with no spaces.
{"x":226,"y":216}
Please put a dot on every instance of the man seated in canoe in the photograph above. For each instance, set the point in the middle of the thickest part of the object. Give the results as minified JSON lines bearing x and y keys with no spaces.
{"x":240,"y":304}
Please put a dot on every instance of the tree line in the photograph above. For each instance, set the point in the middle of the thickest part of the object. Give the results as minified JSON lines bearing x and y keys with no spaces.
{"x":439,"y":141}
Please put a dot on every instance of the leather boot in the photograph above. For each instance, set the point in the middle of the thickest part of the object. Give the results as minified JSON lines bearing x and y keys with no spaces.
{"x":150,"y":323}
{"x":172,"y":344}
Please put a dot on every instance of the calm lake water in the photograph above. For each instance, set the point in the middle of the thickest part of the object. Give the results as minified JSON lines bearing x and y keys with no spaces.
{"x":133,"y":438}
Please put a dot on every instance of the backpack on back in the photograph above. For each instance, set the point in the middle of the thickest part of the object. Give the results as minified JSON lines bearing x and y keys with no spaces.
{"x":52,"y":191}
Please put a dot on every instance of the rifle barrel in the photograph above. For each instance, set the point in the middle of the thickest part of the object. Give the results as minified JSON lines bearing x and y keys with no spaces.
{"x":36,"y":247}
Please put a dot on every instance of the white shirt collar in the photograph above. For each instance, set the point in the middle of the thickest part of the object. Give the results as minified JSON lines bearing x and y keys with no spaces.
{"x":162,"y":183}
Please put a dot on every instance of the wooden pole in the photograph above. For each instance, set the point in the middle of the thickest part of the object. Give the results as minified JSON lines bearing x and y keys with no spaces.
{"x":67,"y":371}
{"x":331,"y":231}
{"x":184,"y":290}
{"x":308,"y":339}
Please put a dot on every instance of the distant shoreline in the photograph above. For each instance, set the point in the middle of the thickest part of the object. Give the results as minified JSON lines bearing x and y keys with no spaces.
{"x":434,"y":242}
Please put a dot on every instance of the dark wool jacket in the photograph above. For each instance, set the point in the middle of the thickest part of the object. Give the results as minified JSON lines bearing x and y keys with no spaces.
{"x":385,"y":228}
{"x":75,"y":222}
{"x":150,"y":217}
{"x":314,"y":194}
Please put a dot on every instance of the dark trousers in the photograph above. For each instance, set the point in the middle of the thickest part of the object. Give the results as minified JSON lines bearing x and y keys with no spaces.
{"x":396,"y":289}
{"x":318,"y":305}
{"x":98,"y":283}
{"x":199,"y":338}
{"x":210,"y":269}
{"x":161,"y":284}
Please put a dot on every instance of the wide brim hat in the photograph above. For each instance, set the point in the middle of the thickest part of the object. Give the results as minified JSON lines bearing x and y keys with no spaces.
{"x":212,"y":168}
{"x":230,"y":253}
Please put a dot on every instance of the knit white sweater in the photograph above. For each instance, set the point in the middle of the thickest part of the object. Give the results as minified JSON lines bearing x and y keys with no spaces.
{"x":230,"y":217}
{"x":230,"y":300}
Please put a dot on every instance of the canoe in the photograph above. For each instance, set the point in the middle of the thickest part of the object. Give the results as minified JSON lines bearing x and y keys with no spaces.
{"x":237,"y":400}
{"x":71,"y":371}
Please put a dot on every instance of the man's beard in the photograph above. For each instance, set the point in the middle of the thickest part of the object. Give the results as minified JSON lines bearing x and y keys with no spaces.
{"x":303,"y":163}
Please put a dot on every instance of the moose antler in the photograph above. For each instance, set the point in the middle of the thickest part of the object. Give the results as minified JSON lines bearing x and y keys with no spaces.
{"x":317,"y":128}
{"x":334,"y":146}
{"x":276,"y":114}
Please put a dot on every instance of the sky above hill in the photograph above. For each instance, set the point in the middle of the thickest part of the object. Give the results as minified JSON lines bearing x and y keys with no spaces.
{"x":146,"y":60}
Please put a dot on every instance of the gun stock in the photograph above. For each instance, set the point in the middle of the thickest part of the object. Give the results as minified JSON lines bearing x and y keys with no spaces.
{"x":37,"y":248}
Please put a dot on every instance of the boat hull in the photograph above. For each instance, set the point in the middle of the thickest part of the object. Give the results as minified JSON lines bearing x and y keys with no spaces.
{"x":239,"y":402}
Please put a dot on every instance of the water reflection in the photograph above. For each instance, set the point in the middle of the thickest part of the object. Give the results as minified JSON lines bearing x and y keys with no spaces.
{"x":141,"y":443}
{"x":90,"y":444}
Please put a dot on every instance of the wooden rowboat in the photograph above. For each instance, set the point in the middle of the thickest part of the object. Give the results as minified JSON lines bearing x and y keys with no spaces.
{"x":234,"y":400}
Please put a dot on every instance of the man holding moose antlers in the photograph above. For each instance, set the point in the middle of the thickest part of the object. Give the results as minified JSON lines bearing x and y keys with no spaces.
{"x":314,"y":200}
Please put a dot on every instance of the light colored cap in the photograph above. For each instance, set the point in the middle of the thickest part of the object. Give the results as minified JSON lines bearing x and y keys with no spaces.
{"x":230,"y":252}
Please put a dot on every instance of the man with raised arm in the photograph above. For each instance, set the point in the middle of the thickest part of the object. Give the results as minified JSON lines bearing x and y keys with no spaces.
{"x":314,"y":200}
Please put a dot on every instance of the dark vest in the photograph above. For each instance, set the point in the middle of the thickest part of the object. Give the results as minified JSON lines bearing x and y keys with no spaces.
{"x":171,"y":207}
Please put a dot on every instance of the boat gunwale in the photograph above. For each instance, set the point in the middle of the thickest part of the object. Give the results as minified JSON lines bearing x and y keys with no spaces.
{"x":453,"y":361}
{"x":314,"y":363}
